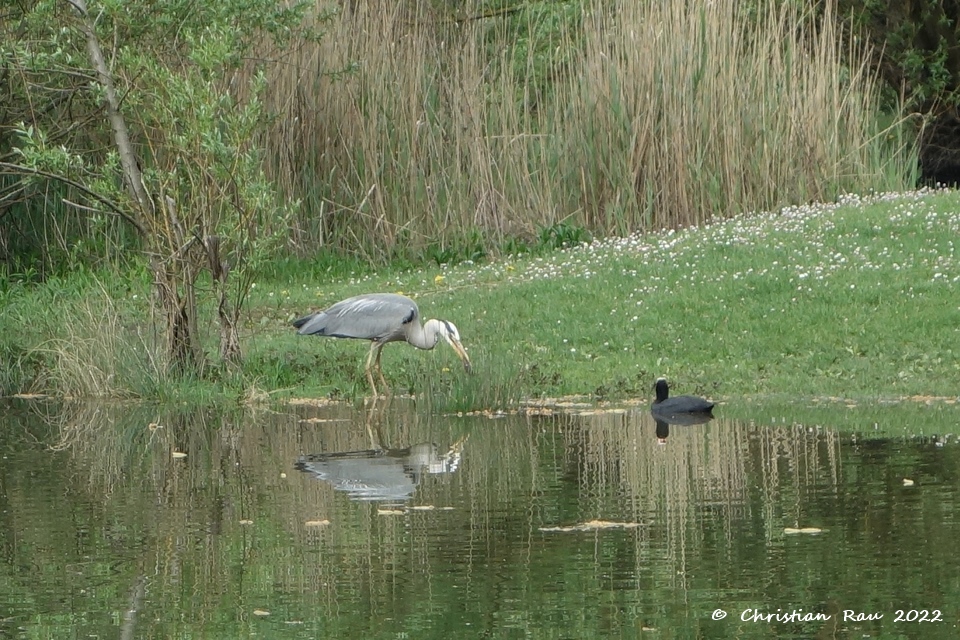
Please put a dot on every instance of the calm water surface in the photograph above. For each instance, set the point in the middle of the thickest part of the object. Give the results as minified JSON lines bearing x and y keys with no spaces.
{"x":333,"y":523}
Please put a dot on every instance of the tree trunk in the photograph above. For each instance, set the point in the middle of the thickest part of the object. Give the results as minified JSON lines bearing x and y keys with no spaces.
{"x":121,"y":135}
{"x":219,"y":273}
{"x":175,"y":278}
{"x":170,"y":270}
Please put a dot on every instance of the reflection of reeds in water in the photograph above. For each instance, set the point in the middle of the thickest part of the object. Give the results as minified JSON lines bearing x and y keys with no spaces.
{"x":235,"y":490}
{"x":235,"y":506}
{"x":110,"y":440}
{"x":701,"y":470}
{"x":791,"y":459}
{"x":363,"y":548}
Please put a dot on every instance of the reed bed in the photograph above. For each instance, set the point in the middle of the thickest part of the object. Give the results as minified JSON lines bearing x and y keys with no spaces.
{"x":405,"y":129}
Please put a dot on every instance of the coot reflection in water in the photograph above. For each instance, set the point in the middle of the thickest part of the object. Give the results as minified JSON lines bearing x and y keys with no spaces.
{"x":679,"y":419}
{"x":381,"y":474}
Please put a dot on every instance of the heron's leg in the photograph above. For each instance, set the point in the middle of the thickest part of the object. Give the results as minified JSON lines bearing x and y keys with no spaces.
{"x":373,"y":407}
{"x":383,"y":382}
{"x":373,"y":387}
{"x":373,"y":428}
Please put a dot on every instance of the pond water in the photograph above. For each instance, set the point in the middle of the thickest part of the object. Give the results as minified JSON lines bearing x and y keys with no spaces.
{"x":329,"y":522}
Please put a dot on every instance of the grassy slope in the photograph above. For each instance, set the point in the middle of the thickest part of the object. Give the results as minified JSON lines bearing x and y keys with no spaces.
{"x":857,"y":301}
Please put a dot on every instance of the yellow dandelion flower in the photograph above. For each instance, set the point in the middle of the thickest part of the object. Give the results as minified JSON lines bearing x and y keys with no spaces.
{"x":510,"y":267}
{"x":439,"y":279}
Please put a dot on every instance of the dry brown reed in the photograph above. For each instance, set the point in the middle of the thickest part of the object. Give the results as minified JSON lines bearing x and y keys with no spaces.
{"x":647,"y":114}
{"x":96,"y":354}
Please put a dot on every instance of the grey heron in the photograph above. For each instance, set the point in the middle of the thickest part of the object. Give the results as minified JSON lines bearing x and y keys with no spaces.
{"x":667,"y":406}
{"x":381,"y":318}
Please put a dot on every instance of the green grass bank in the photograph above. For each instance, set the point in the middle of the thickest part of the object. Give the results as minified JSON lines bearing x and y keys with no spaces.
{"x":855,"y":300}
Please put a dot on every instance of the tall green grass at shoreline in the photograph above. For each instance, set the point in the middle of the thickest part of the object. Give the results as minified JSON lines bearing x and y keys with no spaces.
{"x":857,"y":301}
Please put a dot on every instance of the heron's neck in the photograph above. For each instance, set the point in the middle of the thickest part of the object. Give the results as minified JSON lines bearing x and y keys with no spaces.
{"x":425,"y":337}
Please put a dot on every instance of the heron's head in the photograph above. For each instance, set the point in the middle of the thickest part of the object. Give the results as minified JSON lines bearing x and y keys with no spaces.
{"x":452,"y":336}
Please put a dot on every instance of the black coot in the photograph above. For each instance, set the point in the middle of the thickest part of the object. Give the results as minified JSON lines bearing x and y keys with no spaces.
{"x":667,"y":406}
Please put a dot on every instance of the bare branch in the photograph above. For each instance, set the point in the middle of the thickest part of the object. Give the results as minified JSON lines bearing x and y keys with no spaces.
{"x":109,"y":204}
{"x":121,"y":135}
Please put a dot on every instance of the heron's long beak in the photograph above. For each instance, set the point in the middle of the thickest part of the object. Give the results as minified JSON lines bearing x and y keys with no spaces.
{"x":460,"y":352}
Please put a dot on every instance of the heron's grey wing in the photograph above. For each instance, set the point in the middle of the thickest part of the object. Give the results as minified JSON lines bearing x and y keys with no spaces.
{"x":375,"y":316}
{"x":373,"y":477}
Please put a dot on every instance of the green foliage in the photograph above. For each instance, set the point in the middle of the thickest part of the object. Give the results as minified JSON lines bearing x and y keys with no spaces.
{"x":321,"y":268}
{"x":544,"y":41}
{"x":595,"y":117}
{"x":81,"y":336}
{"x":916,"y":45}
{"x":194,"y":120}
{"x":561,"y":235}
{"x":471,"y":248}
{"x":503,"y":117}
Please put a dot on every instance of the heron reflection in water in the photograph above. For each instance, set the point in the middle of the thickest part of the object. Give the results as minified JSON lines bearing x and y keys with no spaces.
{"x":382,"y":474}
